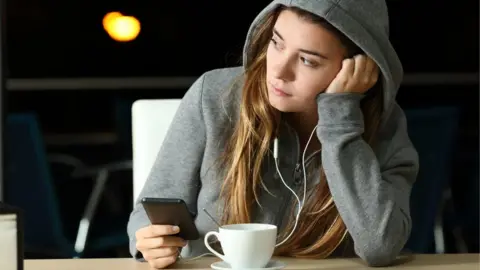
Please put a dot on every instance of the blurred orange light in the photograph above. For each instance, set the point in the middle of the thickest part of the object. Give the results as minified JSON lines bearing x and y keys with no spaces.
{"x":108,"y":18}
{"x":121,"y":28}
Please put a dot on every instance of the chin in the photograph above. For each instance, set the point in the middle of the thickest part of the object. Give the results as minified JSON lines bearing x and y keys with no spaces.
{"x":281,"y":105}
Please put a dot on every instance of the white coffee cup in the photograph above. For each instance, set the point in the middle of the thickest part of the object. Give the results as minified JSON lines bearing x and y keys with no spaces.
{"x":248,"y":245}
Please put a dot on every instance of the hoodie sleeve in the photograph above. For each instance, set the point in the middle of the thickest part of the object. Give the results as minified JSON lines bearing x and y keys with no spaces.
{"x":371,"y":190}
{"x":175,"y":172}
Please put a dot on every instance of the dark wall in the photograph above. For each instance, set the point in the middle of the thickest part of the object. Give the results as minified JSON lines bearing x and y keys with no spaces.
{"x":66,"y":39}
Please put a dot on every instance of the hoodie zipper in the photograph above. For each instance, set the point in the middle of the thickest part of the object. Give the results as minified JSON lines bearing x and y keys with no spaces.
{"x":298,"y":166}
{"x":297,"y":172}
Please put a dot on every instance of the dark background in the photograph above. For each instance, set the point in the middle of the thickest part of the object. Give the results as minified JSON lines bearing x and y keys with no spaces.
{"x":65,"y":39}
{"x":182,"y":37}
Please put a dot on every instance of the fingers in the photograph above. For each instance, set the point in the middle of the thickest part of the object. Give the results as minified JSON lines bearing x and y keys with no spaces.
{"x":156,"y":231}
{"x":358,"y":74}
{"x":161,"y":263}
{"x":360,"y":67}
{"x":348,"y":68}
{"x":165,"y":241}
{"x":369,"y":69}
{"x":365,"y":73}
{"x":158,"y":246}
{"x":157,"y":253}
{"x":346,"y":73}
{"x":371,"y":72}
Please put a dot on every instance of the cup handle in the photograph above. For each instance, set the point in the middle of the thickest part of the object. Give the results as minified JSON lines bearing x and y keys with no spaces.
{"x":209,"y":247}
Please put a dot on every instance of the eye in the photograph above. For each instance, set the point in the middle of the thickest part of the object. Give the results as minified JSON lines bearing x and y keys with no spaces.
{"x":307,"y":62}
{"x":276,"y":44}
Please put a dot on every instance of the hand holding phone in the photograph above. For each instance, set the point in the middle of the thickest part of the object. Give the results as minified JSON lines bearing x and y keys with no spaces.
{"x":167,"y":211}
{"x":172,"y":225}
{"x":158,"y":245}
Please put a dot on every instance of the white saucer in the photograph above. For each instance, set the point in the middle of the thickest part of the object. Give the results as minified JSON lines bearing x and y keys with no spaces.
{"x":272,"y":265}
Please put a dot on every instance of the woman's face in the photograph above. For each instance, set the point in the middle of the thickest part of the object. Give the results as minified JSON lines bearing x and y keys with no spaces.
{"x":302,"y":59}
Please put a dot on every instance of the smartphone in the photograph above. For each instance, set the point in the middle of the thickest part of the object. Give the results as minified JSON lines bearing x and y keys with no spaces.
{"x":163,"y":211}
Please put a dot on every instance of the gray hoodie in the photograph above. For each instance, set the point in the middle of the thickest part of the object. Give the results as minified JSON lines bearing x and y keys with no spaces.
{"x":370,"y":185}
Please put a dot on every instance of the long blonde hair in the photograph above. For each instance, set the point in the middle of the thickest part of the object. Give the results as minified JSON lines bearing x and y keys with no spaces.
{"x":320,"y":229}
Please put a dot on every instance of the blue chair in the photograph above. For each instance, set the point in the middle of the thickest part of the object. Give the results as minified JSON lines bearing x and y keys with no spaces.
{"x":30,"y":186}
{"x":461,"y":213}
{"x":433,"y":132}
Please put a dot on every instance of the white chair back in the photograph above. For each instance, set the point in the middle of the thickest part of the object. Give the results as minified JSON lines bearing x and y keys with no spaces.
{"x":151,"y":119}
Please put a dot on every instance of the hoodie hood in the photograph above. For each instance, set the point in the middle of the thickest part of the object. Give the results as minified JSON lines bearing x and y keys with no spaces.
{"x":365,"y":22}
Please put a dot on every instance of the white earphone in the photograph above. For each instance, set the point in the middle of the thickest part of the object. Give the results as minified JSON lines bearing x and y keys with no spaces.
{"x":300,"y":203}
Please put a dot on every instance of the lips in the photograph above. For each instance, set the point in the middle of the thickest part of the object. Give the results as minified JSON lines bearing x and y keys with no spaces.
{"x":278,"y":91}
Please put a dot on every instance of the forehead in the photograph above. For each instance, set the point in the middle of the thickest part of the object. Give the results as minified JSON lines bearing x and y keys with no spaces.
{"x":300,"y":33}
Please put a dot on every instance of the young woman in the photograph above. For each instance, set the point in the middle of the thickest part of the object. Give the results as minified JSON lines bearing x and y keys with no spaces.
{"x":313,"y":108}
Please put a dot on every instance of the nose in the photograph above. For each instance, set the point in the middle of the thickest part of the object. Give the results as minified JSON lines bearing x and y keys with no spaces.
{"x":282,"y":69}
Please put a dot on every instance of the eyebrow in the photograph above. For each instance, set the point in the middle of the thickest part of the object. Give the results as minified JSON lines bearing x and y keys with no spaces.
{"x":302,"y":50}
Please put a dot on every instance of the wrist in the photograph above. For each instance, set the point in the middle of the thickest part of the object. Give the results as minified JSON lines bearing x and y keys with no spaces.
{"x":342,"y":96}
{"x":340,"y":109}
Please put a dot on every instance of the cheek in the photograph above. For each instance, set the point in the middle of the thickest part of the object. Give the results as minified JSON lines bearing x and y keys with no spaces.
{"x":317,"y":82}
{"x":313,"y":84}
{"x":269,"y":58}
